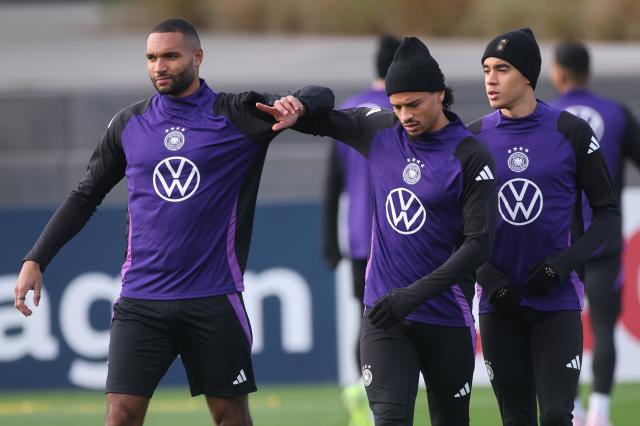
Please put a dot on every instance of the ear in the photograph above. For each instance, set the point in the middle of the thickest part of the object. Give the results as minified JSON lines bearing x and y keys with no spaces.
{"x":198,"y":55}
{"x":441,"y":97}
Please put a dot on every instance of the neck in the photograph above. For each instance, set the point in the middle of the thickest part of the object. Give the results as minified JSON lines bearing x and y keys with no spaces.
{"x":522,"y":107}
{"x":440,"y":123}
{"x":193,"y":88}
{"x":572,"y":85}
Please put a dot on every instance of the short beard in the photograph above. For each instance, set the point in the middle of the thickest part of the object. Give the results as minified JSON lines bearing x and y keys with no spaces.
{"x":179,"y":83}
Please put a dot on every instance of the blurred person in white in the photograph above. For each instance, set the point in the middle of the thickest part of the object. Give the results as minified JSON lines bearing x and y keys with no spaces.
{"x":618,"y":134}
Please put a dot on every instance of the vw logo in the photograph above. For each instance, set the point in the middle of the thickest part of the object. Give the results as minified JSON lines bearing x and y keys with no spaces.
{"x":591,"y":116}
{"x":175,"y":179}
{"x":405,"y":212}
{"x":520,"y":201}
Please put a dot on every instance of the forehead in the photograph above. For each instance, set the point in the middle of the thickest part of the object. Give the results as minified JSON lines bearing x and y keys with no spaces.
{"x":492,"y":61}
{"x":403,"y":98}
{"x":165,"y":42}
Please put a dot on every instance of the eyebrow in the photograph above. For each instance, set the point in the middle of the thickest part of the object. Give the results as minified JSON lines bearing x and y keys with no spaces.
{"x":410,"y":103}
{"x":162,"y":55}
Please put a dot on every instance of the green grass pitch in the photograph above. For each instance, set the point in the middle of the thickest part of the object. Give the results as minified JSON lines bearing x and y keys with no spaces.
{"x":308,"y":405}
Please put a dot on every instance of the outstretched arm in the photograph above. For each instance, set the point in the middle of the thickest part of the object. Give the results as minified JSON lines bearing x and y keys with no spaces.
{"x":355,"y":127}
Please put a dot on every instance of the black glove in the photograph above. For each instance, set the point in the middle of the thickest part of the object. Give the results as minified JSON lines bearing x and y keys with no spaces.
{"x":506,"y":302}
{"x":382,"y":314}
{"x":497,"y":286}
{"x":541,"y":280}
{"x":332,"y":256}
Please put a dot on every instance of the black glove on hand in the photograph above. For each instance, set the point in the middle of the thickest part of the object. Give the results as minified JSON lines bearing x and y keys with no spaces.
{"x":507,"y":302}
{"x":541,"y":280}
{"x":382,"y":314}
{"x":331,"y":258}
{"x":497,"y":286}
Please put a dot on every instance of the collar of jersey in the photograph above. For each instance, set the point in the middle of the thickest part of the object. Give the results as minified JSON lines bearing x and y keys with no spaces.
{"x":453,"y":130}
{"x":521,"y":123}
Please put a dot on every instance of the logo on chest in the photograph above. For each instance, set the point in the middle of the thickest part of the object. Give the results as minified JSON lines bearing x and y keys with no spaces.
{"x":412,"y":173}
{"x":518,"y":160}
{"x":405,"y":212}
{"x":174,"y":138}
{"x":520,"y":201}
{"x":175,"y":179}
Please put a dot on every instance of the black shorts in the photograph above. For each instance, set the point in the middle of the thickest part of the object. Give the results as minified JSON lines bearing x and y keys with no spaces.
{"x":392,"y":361}
{"x":211,"y":335}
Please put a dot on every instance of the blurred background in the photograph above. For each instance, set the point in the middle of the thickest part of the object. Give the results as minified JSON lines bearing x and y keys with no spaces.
{"x":69,"y":66}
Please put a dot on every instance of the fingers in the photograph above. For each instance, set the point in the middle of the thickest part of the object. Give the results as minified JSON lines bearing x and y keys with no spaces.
{"x":266,"y":108}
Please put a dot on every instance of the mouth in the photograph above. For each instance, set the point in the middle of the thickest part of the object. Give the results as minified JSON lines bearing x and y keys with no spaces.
{"x":493,"y":95}
{"x":410,"y":127}
{"x":162,"y":81}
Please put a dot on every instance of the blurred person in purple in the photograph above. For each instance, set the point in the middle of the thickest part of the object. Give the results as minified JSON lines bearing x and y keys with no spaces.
{"x":348,"y":174}
{"x":193,"y":160}
{"x":530,"y":293}
{"x":618,"y":135}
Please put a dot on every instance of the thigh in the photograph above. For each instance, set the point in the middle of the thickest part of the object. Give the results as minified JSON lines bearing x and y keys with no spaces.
{"x":556,"y":340}
{"x":507,"y":354}
{"x":214,"y":341}
{"x":390,"y":371}
{"x":447,"y":361}
{"x":141,"y":348}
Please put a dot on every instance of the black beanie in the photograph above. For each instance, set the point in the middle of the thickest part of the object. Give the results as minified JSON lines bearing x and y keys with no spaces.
{"x":520,"y":49}
{"x":413,"y":69}
{"x":387,"y":46}
{"x":573,"y":56}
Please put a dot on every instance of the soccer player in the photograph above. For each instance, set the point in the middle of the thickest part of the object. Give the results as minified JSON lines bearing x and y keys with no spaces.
{"x":619,"y":137}
{"x":434,"y":209}
{"x":193,"y":159}
{"x":531,"y":296}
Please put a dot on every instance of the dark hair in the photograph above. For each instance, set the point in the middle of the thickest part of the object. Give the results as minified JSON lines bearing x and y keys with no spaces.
{"x":178,"y":25}
{"x":448,"y":98}
{"x":574,"y":57}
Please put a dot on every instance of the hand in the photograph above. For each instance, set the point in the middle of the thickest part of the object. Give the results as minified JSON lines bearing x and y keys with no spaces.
{"x":506,"y":302}
{"x":541,"y":280}
{"x":382,"y":314}
{"x":285,"y":110}
{"x":331,"y":258}
{"x":30,"y":278}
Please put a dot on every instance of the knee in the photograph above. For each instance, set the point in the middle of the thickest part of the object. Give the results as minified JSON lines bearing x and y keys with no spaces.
{"x":121,"y":415}
{"x":556,"y":417}
{"x":391,"y":414}
{"x":125,"y":411}
{"x":230,"y":412}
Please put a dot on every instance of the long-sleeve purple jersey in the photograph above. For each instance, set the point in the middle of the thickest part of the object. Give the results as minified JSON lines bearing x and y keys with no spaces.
{"x":619,"y":137}
{"x":193,"y":165}
{"x":543,"y":162}
{"x":433,"y":204}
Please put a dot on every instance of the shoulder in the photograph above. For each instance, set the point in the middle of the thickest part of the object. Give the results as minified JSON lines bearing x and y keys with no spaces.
{"x":483,"y":123}
{"x":471,"y":149}
{"x":121,"y":118}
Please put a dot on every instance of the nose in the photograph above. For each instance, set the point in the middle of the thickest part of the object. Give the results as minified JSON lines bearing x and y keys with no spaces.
{"x":490,"y":78}
{"x":404,"y":115}
{"x":159,"y":66}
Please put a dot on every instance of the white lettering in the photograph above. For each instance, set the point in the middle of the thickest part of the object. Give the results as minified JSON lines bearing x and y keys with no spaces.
{"x":295,"y":305}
